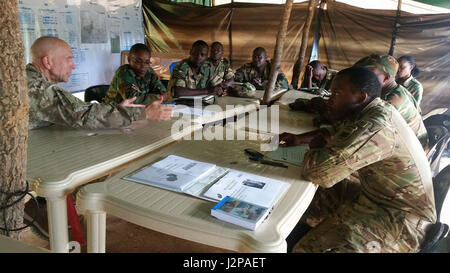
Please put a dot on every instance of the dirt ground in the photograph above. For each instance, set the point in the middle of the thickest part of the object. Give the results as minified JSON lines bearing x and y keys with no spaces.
{"x":125,"y":237}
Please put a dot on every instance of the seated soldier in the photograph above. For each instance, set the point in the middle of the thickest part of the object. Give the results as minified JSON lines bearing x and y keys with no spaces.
{"x":407,"y":71}
{"x":258,"y":71}
{"x":393,"y":205}
{"x":191,"y":76}
{"x":385,"y":67}
{"x":136,"y":79}
{"x":318,"y":75}
{"x":221,"y":73}
{"x":52,"y":62}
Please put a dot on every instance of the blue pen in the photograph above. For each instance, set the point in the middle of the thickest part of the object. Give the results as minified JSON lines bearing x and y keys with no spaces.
{"x":169,"y":104}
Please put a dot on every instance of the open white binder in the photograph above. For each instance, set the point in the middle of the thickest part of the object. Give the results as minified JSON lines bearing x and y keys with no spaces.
{"x":209,"y":182}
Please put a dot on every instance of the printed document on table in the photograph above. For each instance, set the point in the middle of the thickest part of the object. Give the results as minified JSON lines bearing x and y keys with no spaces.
{"x":293,"y":155}
{"x":173,"y":172}
{"x":247,"y":187}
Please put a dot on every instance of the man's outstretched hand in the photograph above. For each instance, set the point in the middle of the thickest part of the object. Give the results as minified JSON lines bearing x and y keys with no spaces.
{"x":157,"y":112}
{"x":129,"y":103}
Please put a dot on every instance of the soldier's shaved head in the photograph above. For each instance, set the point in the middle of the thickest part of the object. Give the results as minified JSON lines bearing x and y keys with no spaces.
{"x":53,"y":57}
{"x":46,"y":45}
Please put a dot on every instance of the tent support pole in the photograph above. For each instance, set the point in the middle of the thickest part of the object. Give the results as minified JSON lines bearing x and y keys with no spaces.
{"x":230,"y":35}
{"x":396,"y":25}
{"x":278,"y":53}
{"x":301,"y":58}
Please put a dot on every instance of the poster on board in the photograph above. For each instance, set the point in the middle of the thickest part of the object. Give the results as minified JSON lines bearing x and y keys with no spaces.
{"x":96,"y":30}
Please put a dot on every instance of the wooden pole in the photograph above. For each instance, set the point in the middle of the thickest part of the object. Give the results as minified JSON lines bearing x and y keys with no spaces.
{"x":394,"y":32}
{"x":278,"y":52}
{"x":230,"y":36}
{"x":301,"y":58}
{"x":13,"y":120}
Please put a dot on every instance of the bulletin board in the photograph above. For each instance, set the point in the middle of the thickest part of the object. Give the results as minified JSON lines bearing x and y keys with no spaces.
{"x":96,"y":30}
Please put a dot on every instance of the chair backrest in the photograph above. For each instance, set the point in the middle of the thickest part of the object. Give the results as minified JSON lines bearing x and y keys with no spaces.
{"x":439,"y":138}
{"x":441,"y":184}
{"x":124,"y":57}
{"x":172,"y":65}
{"x":435,"y":112}
{"x":96,"y":92}
{"x":440,"y":119}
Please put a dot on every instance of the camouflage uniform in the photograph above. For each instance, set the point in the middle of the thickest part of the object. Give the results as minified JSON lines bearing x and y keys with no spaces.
{"x":121,"y":86}
{"x":397,"y":95}
{"x":221,"y":72}
{"x":247,"y":73}
{"x":184,"y":76}
{"x":50,"y":104}
{"x":324,"y":85}
{"x":384,"y":211}
{"x":403,"y":101}
{"x":414,"y":87}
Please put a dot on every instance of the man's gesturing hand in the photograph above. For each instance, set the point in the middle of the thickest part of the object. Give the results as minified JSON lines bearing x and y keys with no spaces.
{"x":157,"y":112}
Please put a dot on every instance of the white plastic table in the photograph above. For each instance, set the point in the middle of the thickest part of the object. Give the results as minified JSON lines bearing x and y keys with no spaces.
{"x":61,"y":159}
{"x":225,"y":108}
{"x":10,"y":245}
{"x":290,"y":121}
{"x":189,"y":217}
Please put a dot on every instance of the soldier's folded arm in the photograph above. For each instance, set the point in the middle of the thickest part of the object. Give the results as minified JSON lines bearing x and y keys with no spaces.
{"x":351,"y":148}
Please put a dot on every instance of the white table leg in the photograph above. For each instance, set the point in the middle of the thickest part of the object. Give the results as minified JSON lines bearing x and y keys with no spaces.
{"x":96,"y":231}
{"x":57,"y":224}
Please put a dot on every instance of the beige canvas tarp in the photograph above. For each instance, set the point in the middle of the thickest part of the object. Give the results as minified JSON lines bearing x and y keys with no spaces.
{"x":347,"y":34}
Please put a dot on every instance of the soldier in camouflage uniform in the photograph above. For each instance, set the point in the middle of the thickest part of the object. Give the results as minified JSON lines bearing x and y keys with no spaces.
{"x":136,"y":79}
{"x":192,"y":76}
{"x":318,"y":75}
{"x":51,"y":104}
{"x":221,"y":72}
{"x":257,"y":72}
{"x":407,"y":71}
{"x":393,"y":205}
{"x":385,"y":67}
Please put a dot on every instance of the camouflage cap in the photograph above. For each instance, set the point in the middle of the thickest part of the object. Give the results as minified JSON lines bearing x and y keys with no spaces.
{"x":385,"y":63}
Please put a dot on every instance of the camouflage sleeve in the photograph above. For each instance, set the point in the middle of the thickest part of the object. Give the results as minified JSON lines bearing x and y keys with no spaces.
{"x":354,"y":146}
{"x":239,"y":76}
{"x":417,"y":92}
{"x":282,"y":82}
{"x":178,"y":76}
{"x":228,"y":73}
{"x":395,"y":99}
{"x":156,"y":83}
{"x":61,"y":107}
{"x":117,"y":90}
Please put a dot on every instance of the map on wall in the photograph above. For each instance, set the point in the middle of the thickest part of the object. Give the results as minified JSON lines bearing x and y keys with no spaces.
{"x":96,"y":30}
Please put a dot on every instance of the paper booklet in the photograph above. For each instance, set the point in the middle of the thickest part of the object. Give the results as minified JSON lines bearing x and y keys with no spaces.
{"x":293,"y":155}
{"x":208,"y":181}
{"x":240,"y":213}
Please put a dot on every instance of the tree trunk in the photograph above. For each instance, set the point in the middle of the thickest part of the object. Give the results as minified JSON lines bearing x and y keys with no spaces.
{"x":301,"y":58}
{"x":13,"y":117}
{"x":278,"y":52}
